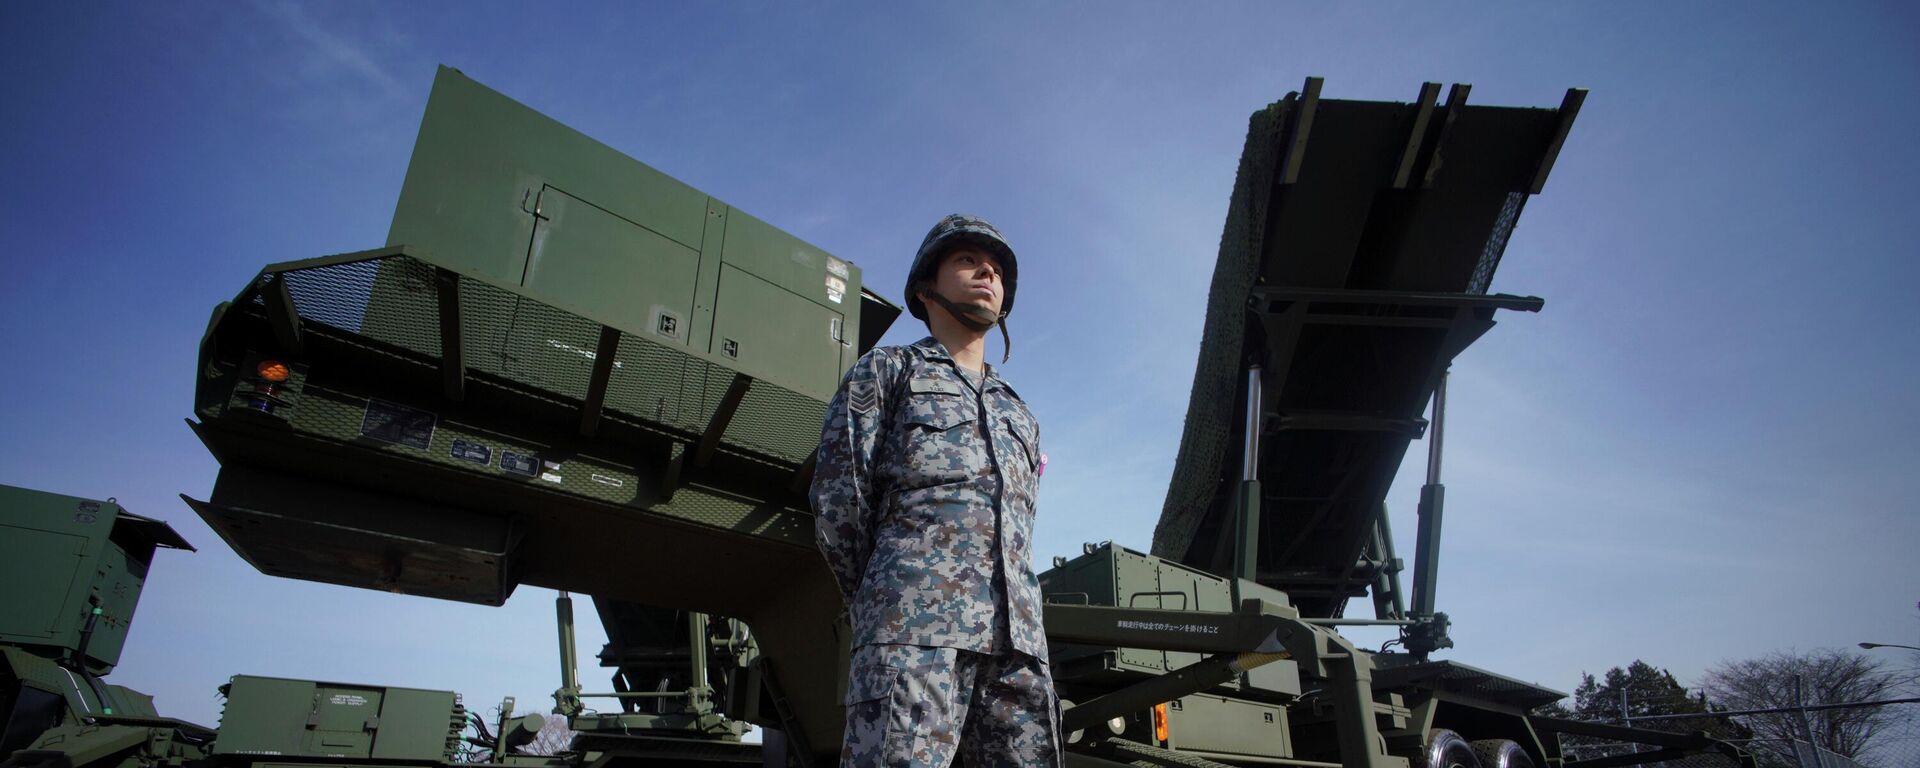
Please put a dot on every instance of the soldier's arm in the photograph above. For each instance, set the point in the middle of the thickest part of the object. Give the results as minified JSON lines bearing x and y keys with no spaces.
{"x":845,"y":496}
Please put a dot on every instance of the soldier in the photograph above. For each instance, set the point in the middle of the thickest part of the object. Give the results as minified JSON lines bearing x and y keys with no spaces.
{"x":924,"y":491}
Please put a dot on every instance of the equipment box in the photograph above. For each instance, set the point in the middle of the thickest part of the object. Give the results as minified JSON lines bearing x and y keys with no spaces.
{"x":307,"y":719}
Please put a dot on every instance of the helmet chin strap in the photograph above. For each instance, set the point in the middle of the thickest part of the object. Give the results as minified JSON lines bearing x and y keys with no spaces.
{"x":977,"y":318}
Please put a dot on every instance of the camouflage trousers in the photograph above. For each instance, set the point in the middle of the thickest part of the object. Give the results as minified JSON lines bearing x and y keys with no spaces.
{"x":911,"y":706}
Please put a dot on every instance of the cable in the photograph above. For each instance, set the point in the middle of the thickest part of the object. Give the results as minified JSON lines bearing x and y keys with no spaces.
{"x":481,"y":726}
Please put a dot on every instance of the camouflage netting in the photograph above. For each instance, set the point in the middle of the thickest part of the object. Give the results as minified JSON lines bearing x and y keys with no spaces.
{"x":1211,"y":407}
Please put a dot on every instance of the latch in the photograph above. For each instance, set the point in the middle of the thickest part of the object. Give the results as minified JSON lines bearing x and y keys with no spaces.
{"x":535,"y":210}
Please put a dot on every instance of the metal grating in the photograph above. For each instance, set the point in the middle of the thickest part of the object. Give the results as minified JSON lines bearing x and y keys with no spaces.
{"x":1496,"y":243}
{"x":395,"y":300}
{"x":337,"y":297}
{"x":1203,"y":443}
{"x":778,"y":422}
{"x":650,"y":381}
{"x":538,"y":345}
{"x":397,"y":308}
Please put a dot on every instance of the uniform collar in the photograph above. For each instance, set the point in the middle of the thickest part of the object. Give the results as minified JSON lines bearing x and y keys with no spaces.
{"x":932,"y":349}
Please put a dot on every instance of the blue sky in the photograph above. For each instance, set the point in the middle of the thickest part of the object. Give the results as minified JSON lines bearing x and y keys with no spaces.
{"x":1702,"y":450}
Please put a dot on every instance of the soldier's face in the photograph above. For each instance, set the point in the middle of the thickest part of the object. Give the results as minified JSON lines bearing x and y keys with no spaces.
{"x":970,"y":276}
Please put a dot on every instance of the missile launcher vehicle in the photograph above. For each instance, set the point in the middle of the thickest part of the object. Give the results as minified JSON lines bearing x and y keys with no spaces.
{"x":567,"y":369}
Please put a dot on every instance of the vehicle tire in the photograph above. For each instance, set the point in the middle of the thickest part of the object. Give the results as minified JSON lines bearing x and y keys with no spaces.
{"x":1501,"y":753}
{"x":1446,"y":749}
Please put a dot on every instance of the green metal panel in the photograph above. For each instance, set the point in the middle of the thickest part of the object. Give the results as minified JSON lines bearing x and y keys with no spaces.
{"x":1116,"y":576}
{"x":43,"y":674}
{"x":481,"y":159}
{"x":1202,"y":592}
{"x":52,"y":544}
{"x":1136,"y":583}
{"x":291,"y":526}
{"x":302,"y":718}
{"x":1086,"y":579}
{"x":499,"y":192}
{"x":642,"y":281}
{"x":789,"y":262}
{"x":128,"y":702}
{"x":119,"y":580}
{"x":652,"y":379}
{"x":415,"y":724}
{"x":1228,"y":726}
{"x":96,"y":746}
{"x":37,"y":672}
{"x":714,"y":237}
{"x":768,"y":330}
{"x":343,"y":721}
{"x":40,"y":569}
{"x":57,"y":552}
{"x":264,"y":716}
{"x":822,"y":280}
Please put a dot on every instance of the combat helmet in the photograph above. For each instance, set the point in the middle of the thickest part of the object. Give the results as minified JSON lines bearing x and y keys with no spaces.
{"x":951,"y":232}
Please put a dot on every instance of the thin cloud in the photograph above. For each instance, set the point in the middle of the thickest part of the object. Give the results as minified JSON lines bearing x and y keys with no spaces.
{"x":332,"y":48}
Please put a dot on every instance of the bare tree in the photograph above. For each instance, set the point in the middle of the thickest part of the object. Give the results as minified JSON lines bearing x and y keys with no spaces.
{"x":1822,"y":677}
{"x":554,"y":737}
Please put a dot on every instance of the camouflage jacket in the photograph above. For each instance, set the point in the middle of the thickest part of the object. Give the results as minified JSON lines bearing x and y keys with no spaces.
{"x":916,"y":504}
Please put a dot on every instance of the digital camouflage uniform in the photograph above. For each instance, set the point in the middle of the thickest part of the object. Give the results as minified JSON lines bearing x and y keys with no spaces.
{"x":924,"y":490}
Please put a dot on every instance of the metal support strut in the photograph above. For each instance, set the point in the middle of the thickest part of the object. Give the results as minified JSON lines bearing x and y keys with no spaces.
{"x":1246,"y":518}
{"x":566,"y":701}
{"x":1429,"y":631}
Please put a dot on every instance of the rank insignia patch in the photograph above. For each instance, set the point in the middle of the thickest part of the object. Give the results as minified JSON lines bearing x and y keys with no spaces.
{"x":862,"y":396}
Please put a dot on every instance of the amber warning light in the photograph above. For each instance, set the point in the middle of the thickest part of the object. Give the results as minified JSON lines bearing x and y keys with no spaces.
{"x":269,"y":375}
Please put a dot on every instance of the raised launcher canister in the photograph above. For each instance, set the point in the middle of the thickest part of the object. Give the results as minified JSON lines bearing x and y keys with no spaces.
{"x":1355,"y":264}
{"x":565,"y":369}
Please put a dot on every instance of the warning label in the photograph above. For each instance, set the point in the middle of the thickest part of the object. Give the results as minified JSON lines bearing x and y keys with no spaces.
{"x":477,"y":453}
{"x":520,"y":463}
{"x":394,"y":423}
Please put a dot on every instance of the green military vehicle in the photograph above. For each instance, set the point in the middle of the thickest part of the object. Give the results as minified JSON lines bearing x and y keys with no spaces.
{"x":74,"y":569}
{"x":567,"y":369}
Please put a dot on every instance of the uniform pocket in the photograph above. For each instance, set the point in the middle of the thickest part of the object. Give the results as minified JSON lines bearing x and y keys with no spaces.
{"x":879,"y":728}
{"x":937,"y":403}
{"x":870,"y":682}
{"x":938,"y":443}
{"x":1024,"y":434}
